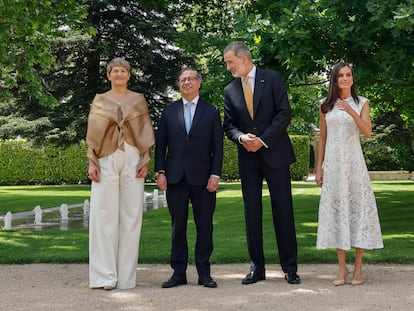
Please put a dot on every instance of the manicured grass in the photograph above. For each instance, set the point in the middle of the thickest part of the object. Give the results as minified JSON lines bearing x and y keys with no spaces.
{"x":395,"y":204}
{"x":25,"y":198}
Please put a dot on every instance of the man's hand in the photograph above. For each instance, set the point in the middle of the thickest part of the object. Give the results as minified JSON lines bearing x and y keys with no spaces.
{"x":162,"y":181}
{"x":212,"y":184}
{"x":250,"y":142}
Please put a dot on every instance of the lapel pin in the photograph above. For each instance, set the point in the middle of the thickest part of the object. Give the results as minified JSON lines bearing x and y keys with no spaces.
{"x":261,"y":81}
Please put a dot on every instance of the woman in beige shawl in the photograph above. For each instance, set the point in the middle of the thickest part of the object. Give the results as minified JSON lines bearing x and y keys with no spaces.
{"x":119,"y":139}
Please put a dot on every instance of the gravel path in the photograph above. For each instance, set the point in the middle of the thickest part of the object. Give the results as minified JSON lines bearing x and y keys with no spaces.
{"x":65,"y":287}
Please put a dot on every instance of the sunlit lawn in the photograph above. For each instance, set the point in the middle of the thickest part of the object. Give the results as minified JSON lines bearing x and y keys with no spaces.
{"x":395,"y":203}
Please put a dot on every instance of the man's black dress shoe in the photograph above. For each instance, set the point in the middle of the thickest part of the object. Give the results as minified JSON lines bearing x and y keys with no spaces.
{"x":292,"y":278}
{"x":174,"y":281}
{"x":253,"y":277}
{"x":207,"y":281}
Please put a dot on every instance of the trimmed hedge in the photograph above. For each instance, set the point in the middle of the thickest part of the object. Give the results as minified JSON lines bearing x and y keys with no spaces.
{"x":301,"y":145}
{"x":299,"y":169}
{"x":24,"y":164}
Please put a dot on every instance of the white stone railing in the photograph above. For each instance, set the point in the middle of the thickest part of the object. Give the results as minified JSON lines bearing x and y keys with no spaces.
{"x":153,"y":199}
{"x":391,"y":175}
{"x":377,"y":175}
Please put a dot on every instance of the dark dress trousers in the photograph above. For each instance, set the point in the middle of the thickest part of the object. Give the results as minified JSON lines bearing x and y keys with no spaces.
{"x":272,"y":115}
{"x":188,"y":161}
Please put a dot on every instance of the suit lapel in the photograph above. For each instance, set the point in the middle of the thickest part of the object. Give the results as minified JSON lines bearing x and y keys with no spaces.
{"x":258,"y":91}
{"x":197,"y":114}
{"x":179,"y":110}
{"x":258,"y":88}
{"x":240,"y":94}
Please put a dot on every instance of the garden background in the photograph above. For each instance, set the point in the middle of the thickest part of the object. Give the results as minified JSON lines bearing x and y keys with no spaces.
{"x":52,"y":62}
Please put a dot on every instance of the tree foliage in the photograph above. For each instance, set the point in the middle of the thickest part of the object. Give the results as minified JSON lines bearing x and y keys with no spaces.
{"x":305,"y":38}
{"x":26,"y":30}
{"x":54,"y":53}
{"x":144,"y":32}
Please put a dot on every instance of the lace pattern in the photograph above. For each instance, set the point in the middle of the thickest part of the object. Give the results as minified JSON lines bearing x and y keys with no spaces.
{"x":348,"y":214}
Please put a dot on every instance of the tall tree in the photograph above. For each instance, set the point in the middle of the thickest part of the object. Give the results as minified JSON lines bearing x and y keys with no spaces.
{"x":206,"y":30}
{"x":26,"y":30}
{"x":307,"y":37}
{"x":141,"y":31}
{"x":216,"y":24}
{"x":144,"y":32}
{"x":303,"y":39}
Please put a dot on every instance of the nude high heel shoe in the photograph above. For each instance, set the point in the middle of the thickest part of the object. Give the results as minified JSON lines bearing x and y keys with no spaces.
{"x":108,"y":288}
{"x":339,"y":282}
{"x":356,"y":282}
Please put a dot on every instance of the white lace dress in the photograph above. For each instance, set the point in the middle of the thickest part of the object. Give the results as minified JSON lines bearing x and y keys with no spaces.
{"x":348,"y":214}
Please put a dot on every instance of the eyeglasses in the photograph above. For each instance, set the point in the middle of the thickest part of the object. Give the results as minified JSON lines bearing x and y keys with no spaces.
{"x":189,"y":79}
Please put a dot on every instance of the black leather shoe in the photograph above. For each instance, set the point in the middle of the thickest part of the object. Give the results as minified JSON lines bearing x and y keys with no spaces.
{"x":174,"y":281}
{"x":207,"y":281}
{"x":292,"y":278}
{"x":253,"y":277}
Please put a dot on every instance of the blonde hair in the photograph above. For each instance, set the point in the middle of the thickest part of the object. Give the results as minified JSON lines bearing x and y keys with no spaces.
{"x":118,"y":61}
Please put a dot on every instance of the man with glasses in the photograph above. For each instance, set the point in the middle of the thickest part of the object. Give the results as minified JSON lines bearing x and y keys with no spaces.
{"x":188,"y":162}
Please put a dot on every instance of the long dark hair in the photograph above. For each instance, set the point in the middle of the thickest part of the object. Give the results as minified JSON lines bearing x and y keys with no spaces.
{"x":334,"y":92}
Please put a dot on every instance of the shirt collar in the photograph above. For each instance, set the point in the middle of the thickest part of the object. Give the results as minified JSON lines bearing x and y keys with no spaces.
{"x":252,"y":73}
{"x":194,"y":100}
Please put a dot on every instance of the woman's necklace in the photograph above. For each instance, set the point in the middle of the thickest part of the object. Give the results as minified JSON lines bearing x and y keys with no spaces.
{"x":119,"y":97}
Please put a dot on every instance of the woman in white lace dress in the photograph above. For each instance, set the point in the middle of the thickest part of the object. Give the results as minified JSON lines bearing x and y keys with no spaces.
{"x":348,"y":216}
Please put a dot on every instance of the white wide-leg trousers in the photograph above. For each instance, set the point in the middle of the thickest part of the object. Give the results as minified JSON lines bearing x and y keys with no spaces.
{"x":117,"y":204}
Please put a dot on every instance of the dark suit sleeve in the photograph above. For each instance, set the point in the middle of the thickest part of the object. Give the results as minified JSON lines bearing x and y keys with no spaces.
{"x":161,"y":144}
{"x":230,"y":121}
{"x":283,"y":113}
{"x":217,"y":148}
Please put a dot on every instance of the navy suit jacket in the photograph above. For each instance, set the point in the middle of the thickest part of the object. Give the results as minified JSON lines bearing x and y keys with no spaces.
{"x":272,"y":115}
{"x":195,"y":156}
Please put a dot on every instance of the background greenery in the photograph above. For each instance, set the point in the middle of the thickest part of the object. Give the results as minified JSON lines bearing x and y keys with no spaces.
{"x":394,"y":199}
{"x":21,"y":163}
{"x":53,"y":56}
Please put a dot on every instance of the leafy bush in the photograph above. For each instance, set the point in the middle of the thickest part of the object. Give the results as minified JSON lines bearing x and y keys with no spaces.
{"x":21,"y":163}
{"x":389,"y":147}
{"x":301,"y":145}
{"x":230,"y":161}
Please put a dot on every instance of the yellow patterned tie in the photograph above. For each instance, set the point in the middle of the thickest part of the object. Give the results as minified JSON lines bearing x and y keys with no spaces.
{"x":248,"y":96}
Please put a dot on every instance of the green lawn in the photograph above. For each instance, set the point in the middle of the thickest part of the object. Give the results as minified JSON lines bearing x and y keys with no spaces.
{"x":395,"y":203}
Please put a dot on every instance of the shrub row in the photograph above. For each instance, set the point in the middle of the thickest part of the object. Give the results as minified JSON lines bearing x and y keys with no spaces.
{"x":23,"y":164}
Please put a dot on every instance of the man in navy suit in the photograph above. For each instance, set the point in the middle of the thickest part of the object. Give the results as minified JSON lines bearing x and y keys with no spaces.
{"x":256,"y":115}
{"x":188,"y":163}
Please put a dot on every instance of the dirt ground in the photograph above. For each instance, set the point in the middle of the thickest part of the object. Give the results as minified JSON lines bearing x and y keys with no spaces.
{"x":65,"y":287}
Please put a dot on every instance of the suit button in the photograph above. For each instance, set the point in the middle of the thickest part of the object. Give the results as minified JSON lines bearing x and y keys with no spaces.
{"x":187,"y":138}
{"x":254,"y":128}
